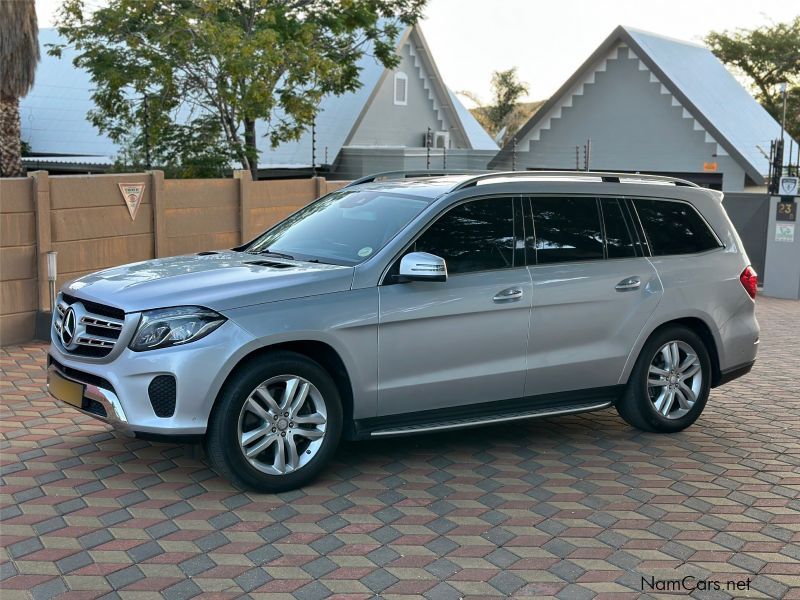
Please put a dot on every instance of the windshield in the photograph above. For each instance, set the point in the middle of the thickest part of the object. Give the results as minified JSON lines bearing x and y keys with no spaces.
{"x":345,"y":227}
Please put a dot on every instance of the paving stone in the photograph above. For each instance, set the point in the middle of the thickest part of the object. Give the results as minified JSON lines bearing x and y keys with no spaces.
{"x":182,"y":591}
{"x":442,"y":568}
{"x":25,"y":547}
{"x":196,"y":565}
{"x":252,"y":579}
{"x":119,"y":579}
{"x":443,"y":591}
{"x":502,"y":558}
{"x":144,"y":551}
{"x":382,"y":556}
{"x":320,"y":567}
{"x":577,"y":499}
{"x":74,"y":562}
{"x":506,"y":582}
{"x":49,"y":589}
{"x":313,"y":591}
{"x":379,"y":580}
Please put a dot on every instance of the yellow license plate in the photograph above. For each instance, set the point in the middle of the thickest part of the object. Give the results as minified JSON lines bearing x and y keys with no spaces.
{"x":65,"y":390}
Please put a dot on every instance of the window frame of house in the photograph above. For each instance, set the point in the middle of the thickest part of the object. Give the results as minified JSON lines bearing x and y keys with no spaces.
{"x":401,"y":76}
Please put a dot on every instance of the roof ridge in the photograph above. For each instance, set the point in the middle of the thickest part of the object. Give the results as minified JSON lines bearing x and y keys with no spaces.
{"x":661,"y":36}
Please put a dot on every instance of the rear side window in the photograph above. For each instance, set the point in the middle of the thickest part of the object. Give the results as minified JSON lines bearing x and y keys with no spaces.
{"x":474,"y":236}
{"x":619,"y":232}
{"x":674,"y":227}
{"x":567,"y":229}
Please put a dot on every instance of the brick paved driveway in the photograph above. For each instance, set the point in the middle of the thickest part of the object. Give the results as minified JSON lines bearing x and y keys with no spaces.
{"x":574,"y":507}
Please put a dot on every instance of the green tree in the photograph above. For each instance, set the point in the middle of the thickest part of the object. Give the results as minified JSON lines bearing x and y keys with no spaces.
{"x":19,"y":54}
{"x":507,"y":89}
{"x":767,"y":56}
{"x":209,"y":69}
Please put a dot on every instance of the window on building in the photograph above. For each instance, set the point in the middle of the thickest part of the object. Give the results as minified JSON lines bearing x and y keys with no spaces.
{"x":474,"y":236}
{"x":674,"y":227}
{"x":619,"y":231}
{"x":400,"y":88}
{"x":567,"y":229}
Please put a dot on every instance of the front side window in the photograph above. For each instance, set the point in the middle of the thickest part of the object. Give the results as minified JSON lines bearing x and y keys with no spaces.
{"x":566,"y":229}
{"x":674,"y":227}
{"x":345,"y":227}
{"x":474,"y":236}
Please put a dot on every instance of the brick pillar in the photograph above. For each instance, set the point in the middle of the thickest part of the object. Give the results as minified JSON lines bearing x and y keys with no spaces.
{"x":159,"y":214}
{"x":41,"y":211}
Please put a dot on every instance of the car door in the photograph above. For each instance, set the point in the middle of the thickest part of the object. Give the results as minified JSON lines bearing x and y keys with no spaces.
{"x":462,"y":341}
{"x":593,"y":291}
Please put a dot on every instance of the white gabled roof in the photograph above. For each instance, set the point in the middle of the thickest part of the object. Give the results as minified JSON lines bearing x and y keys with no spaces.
{"x":714,"y":94}
{"x":698,"y":82}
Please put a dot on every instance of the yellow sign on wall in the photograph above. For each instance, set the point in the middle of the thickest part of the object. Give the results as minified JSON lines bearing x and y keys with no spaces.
{"x":709,"y":167}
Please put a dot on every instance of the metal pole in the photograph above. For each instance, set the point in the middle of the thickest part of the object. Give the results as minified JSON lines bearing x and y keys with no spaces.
{"x":577,"y":158}
{"x":514,"y":153}
{"x":428,"y":149}
{"x":784,"y":91}
{"x":314,"y":146}
{"x":444,"y":158}
{"x":146,"y":123}
{"x":588,"y":153}
{"x":52,"y":273}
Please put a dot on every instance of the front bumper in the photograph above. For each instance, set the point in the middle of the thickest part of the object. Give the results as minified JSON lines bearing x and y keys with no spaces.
{"x":117,"y":392}
{"x":96,"y":399}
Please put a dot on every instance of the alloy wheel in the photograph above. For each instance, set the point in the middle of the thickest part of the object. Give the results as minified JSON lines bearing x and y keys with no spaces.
{"x":674,"y":379}
{"x":282,"y":424}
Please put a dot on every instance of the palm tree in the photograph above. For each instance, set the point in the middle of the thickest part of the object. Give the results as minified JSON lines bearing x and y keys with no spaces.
{"x":19,"y":53}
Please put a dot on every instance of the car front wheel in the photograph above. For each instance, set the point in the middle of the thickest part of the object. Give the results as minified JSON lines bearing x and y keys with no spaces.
{"x":276,"y":425}
{"x":670,"y":382}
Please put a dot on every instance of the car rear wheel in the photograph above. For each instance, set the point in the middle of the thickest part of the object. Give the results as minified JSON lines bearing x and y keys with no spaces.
{"x":669,"y":385}
{"x":277,"y":425}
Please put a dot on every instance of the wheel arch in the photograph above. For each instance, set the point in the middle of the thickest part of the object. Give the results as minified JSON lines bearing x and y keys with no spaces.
{"x":320,"y":352}
{"x":694,"y":323}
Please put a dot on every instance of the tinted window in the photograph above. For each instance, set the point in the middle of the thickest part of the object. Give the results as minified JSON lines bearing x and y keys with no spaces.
{"x":567,"y":229}
{"x":674,"y":227}
{"x":475,"y":236}
{"x":619,"y":234}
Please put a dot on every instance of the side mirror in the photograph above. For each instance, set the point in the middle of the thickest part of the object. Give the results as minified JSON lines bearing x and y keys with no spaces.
{"x":421,"y":266}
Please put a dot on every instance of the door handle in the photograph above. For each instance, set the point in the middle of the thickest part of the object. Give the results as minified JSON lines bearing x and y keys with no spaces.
{"x":626,"y":285}
{"x":508,"y":295}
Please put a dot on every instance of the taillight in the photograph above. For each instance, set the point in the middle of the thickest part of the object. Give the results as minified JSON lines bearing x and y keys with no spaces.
{"x":749,"y":279}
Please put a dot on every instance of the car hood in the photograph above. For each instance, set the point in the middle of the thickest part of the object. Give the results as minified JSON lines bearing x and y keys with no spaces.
{"x":219,"y":280}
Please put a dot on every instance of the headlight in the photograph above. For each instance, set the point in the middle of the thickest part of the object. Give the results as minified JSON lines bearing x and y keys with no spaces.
{"x":166,"y":327}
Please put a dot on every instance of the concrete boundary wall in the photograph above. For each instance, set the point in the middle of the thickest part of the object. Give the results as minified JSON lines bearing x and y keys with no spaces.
{"x":84,"y":219}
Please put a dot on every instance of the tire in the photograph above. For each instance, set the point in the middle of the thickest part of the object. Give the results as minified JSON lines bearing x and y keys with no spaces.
{"x":309,"y":405}
{"x":648,"y":392}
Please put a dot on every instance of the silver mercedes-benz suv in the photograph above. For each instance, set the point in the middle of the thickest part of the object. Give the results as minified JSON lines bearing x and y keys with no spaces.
{"x":417,"y":302}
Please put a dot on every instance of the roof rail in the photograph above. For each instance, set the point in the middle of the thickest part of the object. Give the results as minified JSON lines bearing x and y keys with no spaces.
{"x":605,"y":176}
{"x":413,"y":174}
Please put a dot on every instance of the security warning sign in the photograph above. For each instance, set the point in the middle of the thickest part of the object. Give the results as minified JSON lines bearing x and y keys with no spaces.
{"x":132,"y":193}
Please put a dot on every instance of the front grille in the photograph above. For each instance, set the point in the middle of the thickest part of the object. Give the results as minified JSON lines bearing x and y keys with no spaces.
{"x":162,"y":395}
{"x":92,"y":330}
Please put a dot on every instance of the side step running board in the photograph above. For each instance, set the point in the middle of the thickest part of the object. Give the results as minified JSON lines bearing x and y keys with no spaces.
{"x":491,"y":419}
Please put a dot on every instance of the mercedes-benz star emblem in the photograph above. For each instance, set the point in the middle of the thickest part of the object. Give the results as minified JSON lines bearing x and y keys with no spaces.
{"x":68,"y":327}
